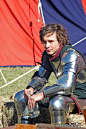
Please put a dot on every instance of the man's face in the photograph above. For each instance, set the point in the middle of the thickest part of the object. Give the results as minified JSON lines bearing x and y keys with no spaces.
{"x":51,"y":44}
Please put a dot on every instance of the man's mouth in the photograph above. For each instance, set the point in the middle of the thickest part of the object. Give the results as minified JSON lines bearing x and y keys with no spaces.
{"x":48,"y":50}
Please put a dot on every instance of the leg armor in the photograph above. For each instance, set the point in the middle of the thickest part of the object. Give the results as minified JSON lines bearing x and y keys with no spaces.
{"x":59,"y":106}
{"x":23,"y":111}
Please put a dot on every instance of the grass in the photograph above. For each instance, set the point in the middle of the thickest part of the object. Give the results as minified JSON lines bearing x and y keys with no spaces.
{"x":11,"y":73}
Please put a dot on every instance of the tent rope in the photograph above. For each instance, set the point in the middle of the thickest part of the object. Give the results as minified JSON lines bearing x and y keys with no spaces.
{"x":40,"y":11}
{"x":79,"y":41}
{"x":3,"y":76}
{"x":36,"y":67}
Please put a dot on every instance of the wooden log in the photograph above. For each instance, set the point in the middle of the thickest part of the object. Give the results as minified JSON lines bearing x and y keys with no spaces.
{"x":25,"y":126}
{"x":41,"y":126}
{"x":50,"y":126}
{"x":10,"y":127}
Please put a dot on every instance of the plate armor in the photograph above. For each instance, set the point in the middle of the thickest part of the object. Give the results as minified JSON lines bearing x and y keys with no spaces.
{"x":68,"y":70}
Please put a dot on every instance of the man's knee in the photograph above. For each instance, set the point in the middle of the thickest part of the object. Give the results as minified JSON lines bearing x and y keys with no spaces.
{"x":20,"y":102}
{"x":19,"y":96}
{"x":58,"y":107}
{"x":23,"y":111}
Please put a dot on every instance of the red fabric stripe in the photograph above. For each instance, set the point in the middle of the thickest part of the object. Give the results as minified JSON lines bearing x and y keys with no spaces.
{"x":84,"y":5}
{"x":19,"y":33}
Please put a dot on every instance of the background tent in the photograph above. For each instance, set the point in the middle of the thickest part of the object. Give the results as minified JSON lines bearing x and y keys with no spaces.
{"x":19,"y":33}
{"x":72,"y":15}
{"x":19,"y":27}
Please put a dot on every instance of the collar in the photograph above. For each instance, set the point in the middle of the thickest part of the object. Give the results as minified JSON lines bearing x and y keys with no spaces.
{"x":57,"y":54}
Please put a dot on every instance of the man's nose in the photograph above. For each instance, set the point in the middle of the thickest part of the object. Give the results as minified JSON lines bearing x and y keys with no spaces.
{"x":47,"y":44}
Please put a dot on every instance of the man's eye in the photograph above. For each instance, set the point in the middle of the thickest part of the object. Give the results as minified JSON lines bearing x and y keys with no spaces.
{"x":44,"y":42}
{"x":50,"y":41}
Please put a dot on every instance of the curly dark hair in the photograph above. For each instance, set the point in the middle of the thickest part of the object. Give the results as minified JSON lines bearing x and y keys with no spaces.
{"x":61,"y":32}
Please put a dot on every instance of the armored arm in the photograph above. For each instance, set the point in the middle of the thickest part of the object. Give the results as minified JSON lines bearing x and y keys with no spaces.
{"x":40,"y":77}
{"x":70,"y":68}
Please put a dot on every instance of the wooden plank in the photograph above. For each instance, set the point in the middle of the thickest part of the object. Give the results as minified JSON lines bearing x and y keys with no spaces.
{"x":25,"y":126}
{"x":10,"y":127}
{"x":41,"y":126}
{"x":50,"y":126}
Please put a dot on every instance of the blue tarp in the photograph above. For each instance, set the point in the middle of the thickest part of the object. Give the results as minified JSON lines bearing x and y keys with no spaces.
{"x":71,"y":14}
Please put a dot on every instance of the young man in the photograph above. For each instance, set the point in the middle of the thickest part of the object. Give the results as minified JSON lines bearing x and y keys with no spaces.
{"x":70,"y":70}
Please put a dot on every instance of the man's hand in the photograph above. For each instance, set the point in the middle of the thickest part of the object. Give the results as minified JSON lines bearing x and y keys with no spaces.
{"x":34,"y":98}
{"x":30,"y":90}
